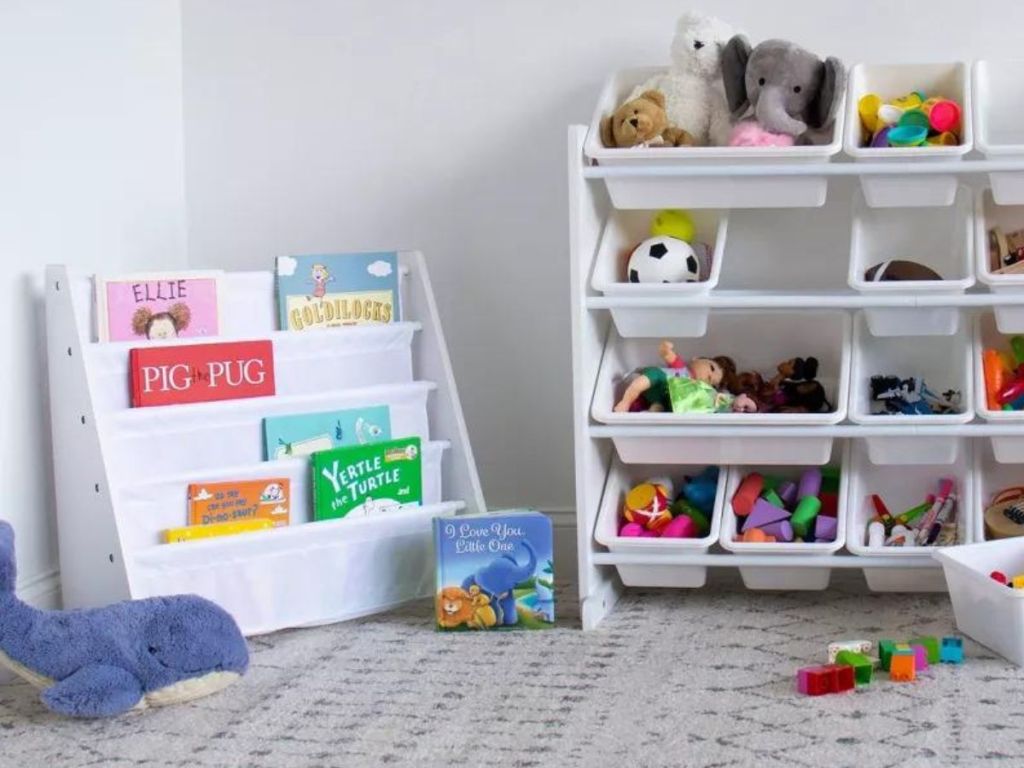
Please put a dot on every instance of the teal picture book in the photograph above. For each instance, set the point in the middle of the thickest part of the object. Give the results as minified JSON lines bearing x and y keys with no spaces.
{"x":367,"y":480}
{"x":302,"y":434}
{"x":494,"y":571}
{"x":332,"y":290}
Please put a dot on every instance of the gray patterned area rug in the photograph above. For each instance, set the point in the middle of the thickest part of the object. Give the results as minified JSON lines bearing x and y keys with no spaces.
{"x":669,"y":679}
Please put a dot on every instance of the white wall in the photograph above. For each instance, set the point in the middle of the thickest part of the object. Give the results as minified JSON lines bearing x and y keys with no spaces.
{"x":91,"y":174}
{"x":316,"y":125}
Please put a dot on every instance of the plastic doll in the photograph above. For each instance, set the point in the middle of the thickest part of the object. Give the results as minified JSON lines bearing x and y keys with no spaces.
{"x":651,"y":383}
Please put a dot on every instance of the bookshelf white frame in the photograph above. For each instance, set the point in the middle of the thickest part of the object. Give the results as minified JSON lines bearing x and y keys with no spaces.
{"x":592,"y":330}
{"x":109,"y":494}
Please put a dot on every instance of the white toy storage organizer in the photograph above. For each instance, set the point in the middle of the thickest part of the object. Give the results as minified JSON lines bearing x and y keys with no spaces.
{"x":121,"y":473}
{"x":793,"y":230}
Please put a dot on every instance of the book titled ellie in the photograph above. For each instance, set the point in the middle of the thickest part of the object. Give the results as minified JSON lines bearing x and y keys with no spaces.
{"x":198,"y":373}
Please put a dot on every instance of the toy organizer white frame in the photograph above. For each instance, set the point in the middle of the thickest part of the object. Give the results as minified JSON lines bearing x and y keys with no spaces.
{"x":309,"y":573}
{"x":648,"y":183}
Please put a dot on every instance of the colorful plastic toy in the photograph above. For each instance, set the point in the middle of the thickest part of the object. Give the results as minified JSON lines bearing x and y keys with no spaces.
{"x":931,"y":646}
{"x":673,"y":223}
{"x":920,"y":657}
{"x":999,"y":576}
{"x":886,"y":648}
{"x":1018,"y":581}
{"x":909,"y":121}
{"x":902,"y":668}
{"x":746,"y":495}
{"x":647,"y":504}
{"x":828,"y":678}
{"x":788,"y":510}
{"x":863,"y":667}
{"x":952,"y":650}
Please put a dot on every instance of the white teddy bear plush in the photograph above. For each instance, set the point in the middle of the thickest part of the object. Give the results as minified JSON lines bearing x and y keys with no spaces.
{"x":694,"y":94}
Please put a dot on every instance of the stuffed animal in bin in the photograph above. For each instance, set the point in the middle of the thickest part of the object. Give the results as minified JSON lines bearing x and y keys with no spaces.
{"x":641,"y":122}
{"x":102,"y":662}
{"x":694,"y":95}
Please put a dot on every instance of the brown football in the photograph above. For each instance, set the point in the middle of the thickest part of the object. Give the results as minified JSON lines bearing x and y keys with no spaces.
{"x":900,"y":270}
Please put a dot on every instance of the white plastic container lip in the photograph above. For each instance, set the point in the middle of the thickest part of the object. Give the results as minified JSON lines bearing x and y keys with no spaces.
{"x":729,"y":520}
{"x":861,"y":487}
{"x":950,"y":80}
{"x":711,"y":226}
{"x":959,"y":377}
{"x":617,"y":89}
{"x":983,"y":204}
{"x":993,"y":136}
{"x":620,"y":479}
{"x":832,"y":328}
{"x":858,"y":251}
{"x":986,"y":610}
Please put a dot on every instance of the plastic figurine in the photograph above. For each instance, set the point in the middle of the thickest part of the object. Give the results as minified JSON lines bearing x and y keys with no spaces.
{"x":911,"y":396}
{"x":650,"y":385}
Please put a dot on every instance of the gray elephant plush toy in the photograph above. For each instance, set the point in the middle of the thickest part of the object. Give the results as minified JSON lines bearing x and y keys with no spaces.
{"x":786,"y":88}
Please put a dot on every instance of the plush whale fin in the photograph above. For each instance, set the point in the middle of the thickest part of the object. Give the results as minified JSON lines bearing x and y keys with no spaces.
{"x":95,"y":690}
{"x":8,"y":572}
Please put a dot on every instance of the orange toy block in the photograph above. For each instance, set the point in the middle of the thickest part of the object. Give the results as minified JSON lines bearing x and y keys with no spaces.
{"x":902,"y":668}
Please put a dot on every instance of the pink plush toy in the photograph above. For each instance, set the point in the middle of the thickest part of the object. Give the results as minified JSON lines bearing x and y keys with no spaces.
{"x":749,"y":133}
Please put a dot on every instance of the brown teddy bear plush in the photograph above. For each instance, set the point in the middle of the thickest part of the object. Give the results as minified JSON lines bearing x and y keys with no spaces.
{"x":642,"y":122}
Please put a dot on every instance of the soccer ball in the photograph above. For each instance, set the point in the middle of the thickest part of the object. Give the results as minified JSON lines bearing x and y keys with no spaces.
{"x":666,"y":259}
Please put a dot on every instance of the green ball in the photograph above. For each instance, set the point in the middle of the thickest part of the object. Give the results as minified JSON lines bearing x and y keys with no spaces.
{"x":673,"y":223}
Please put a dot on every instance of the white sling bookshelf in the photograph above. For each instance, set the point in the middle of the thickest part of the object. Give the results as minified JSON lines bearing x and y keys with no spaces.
{"x":121,"y":473}
{"x":787,"y":260}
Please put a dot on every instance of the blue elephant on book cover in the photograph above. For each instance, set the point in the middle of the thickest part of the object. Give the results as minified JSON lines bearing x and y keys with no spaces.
{"x":494,"y":571}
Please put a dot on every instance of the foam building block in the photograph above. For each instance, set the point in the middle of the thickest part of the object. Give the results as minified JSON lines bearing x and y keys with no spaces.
{"x":810,"y":483}
{"x":952,"y":650}
{"x":862,"y":666}
{"x":803,"y":516}
{"x":930,"y":644}
{"x":781,"y":530}
{"x":901,"y":666}
{"x":764,"y":513}
{"x":825,"y":528}
{"x":885,"y":651}
{"x":747,"y":494}
{"x":787,"y":493}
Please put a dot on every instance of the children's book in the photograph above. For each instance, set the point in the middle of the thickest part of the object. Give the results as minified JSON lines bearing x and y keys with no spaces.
{"x":195,"y":373}
{"x":367,"y":480}
{"x":158,"y":306}
{"x":494,"y":571}
{"x":231,"y":501}
{"x":337,"y":289}
{"x":194,"y":532}
{"x":302,"y":434}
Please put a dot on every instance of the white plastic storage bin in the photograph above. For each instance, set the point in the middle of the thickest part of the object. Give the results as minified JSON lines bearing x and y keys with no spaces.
{"x":784,"y":577}
{"x":944,"y":362}
{"x":1009,"y":218}
{"x":950,"y":80}
{"x":756,"y":342}
{"x":903,"y":487}
{"x":707,"y":191}
{"x":1007,"y":449}
{"x":606,"y":532}
{"x":991,"y":477}
{"x":936,"y":237}
{"x":623,"y":231}
{"x":989,"y":612}
{"x":998,"y":104}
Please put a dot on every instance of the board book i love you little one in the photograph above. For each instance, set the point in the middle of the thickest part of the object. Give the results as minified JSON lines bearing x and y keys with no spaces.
{"x":494,"y":571}
{"x":331,"y":290}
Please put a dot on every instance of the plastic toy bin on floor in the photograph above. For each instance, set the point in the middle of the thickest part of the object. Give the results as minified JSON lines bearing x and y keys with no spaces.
{"x":949,"y":80}
{"x":783,"y":577}
{"x":999,"y":131}
{"x":901,"y":488}
{"x":989,"y":612}
{"x":623,"y":231}
{"x":756,"y":342}
{"x":620,"y":479}
{"x":939,"y":238}
{"x":1009,"y":219}
{"x":1006,"y":448}
{"x":704,"y":192}
{"x":943,"y":362}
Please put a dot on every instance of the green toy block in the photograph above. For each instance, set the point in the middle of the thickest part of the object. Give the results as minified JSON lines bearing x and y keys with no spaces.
{"x":830,"y":479}
{"x":885,"y":651}
{"x":773,"y":498}
{"x":769,"y":483}
{"x":931,"y":647}
{"x":683,"y":507}
{"x":862,"y":665}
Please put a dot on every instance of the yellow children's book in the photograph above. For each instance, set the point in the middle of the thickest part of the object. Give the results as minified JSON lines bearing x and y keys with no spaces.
{"x":192,"y":532}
